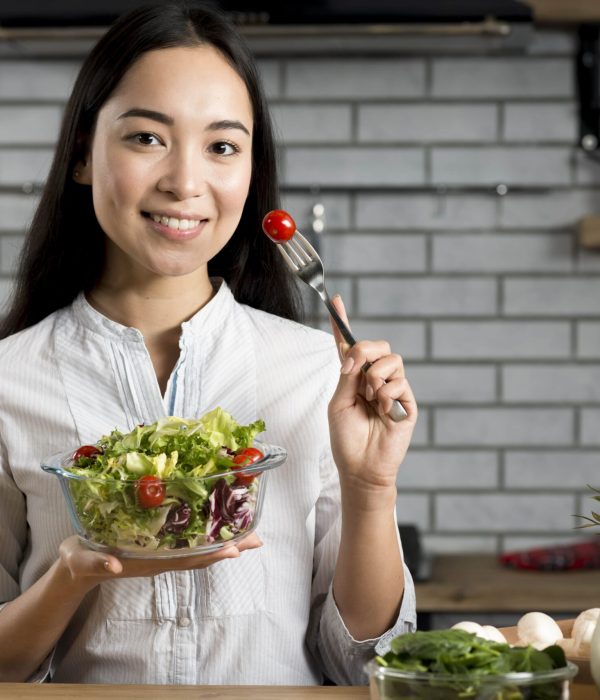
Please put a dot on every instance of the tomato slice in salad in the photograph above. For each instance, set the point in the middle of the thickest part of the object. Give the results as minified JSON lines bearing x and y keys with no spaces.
{"x":86,"y":451}
{"x":244,"y":457}
{"x":150,"y":491}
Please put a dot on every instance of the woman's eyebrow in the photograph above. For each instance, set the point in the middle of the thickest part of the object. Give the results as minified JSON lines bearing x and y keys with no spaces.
{"x":227,"y":124}
{"x":148,"y":114}
{"x":169,"y":121}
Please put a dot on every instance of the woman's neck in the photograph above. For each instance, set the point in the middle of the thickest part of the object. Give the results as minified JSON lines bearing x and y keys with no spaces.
{"x":153,"y":305}
{"x":157,"y":311}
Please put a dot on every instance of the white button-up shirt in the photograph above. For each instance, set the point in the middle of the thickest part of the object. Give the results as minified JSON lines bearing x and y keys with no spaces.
{"x":268,"y":617}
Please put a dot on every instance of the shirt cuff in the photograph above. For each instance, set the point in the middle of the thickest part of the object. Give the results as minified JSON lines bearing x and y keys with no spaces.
{"x":344,"y":656}
{"x":43,"y":672}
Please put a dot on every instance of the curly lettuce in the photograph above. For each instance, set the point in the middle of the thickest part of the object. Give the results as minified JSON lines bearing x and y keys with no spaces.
{"x":193,"y":459}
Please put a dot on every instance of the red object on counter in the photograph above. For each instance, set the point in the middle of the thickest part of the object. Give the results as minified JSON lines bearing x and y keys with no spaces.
{"x":585,"y":555}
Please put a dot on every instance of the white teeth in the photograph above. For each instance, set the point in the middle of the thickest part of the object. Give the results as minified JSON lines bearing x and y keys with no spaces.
{"x":177,"y":224}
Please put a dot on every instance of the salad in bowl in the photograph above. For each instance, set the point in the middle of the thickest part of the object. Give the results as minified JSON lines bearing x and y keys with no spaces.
{"x":172,"y":488}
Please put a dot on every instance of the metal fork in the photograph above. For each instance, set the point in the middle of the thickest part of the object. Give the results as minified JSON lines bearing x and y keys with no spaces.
{"x":305,"y":262}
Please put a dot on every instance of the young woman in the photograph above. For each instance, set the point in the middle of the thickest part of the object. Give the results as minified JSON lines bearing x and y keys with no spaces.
{"x":147,"y":288}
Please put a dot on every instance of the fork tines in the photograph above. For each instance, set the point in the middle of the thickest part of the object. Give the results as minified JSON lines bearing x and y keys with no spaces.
{"x":298,"y":252}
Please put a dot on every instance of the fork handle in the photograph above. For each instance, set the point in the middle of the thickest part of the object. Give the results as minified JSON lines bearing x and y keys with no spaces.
{"x":344,"y":330}
{"x":397,"y":412}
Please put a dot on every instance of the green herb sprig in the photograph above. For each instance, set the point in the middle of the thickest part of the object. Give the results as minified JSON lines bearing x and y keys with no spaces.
{"x":594,"y":521}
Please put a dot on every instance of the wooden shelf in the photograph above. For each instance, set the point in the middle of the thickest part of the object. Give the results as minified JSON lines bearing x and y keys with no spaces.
{"x":588,"y":233}
{"x":478,"y":583}
{"x":565,"y":11}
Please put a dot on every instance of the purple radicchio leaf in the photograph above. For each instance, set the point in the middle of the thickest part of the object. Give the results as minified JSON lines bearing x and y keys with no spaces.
{"x":227,"y":506}
{"x":178,"y":518}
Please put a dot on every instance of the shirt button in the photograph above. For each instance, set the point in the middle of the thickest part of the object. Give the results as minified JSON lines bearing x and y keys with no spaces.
{"x":184,"y":622}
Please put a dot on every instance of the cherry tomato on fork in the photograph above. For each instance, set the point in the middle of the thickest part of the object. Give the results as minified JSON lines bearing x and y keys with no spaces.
{"x":279,"y":226}
{"x":244,"y":458}
{"x":86,"y":451}
{"x":150,"y":491}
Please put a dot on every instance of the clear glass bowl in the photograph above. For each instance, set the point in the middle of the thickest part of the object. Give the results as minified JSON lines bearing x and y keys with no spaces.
{"x":391,"y":684}
{"x":228,"y":505}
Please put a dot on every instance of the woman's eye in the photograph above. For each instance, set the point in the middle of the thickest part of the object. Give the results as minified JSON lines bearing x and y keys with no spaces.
{"x":145,"y":139}
{"x":224,"y":148}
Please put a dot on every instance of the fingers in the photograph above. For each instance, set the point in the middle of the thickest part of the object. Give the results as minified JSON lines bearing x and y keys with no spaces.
{"x":230,"y":551}
{"x":112,"y":565}
{"x":396,"y":390}
{"x":370,"y":370}
{"x":92,"y":566}
{"x":252,"y":541}
{"x":373,"y":352}
{"x":86,"y":564}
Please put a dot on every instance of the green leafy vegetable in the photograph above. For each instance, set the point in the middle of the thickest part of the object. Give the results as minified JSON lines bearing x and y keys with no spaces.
{"x":471,"y":662}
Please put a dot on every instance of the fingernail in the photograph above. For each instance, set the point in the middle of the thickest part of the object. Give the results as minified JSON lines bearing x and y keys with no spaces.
{"x":347,"y":365}
{"x":369,"y":393}
{"x":343,"y":349}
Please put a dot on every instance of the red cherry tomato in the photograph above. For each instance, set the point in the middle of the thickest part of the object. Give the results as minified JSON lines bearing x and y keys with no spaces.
{"x":150,"y":491}
{"x":279,"y":226}
{"x":86,"y":451}
{"x":244,"y":458}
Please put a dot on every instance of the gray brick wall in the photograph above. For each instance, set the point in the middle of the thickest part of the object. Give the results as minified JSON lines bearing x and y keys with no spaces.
{"x":494,"y":308}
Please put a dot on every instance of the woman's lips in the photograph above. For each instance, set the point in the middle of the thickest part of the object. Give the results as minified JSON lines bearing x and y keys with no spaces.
{"x":173,"y":228}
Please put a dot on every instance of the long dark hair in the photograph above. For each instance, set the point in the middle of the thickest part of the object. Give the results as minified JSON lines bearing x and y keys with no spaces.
{"x":63,"y":252}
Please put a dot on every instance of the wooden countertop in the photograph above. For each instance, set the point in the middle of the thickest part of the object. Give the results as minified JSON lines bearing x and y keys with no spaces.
{"x":72,"y":691}
{"x":25,"y":691}
{"x":478,"y":583}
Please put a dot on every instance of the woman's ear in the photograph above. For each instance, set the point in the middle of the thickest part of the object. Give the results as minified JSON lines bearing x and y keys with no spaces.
{"x":82,"y":172}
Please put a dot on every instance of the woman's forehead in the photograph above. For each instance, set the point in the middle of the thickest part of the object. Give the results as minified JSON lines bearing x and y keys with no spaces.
{"x":184,"y":80}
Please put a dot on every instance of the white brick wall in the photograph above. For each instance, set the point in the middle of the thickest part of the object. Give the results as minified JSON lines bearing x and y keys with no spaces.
{"x":537,"y":340}
{"x":15,"y":211}
{"x":18,"y":166}
{"x":495,"y":310}
{"x":502,"y":77}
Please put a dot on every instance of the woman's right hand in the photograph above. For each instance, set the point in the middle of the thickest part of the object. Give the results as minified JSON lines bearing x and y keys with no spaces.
{"x":87,"y":567}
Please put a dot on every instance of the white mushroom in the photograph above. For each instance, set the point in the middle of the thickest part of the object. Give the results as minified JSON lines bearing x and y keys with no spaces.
{"x":583,"y":629}
{"x":485,"y":631}
{"x":473,"y":627}
{"x":539,"y":630}
{"x":493,"y":634}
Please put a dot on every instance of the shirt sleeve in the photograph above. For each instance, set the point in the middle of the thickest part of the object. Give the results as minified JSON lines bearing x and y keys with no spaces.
{"x":13,"y":526}
{"x":342,"y":657}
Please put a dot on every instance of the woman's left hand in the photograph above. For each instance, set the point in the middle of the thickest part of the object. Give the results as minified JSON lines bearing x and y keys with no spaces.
{"x":368,"y":446}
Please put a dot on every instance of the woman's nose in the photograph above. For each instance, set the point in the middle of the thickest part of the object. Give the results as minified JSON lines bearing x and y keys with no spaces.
{"x":183,"y":176}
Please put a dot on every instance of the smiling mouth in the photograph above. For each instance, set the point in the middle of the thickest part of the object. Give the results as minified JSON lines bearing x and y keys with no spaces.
{"x":172,"y":222}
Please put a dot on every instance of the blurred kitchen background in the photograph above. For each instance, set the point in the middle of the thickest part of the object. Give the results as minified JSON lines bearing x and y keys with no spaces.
{"x":444,"y":158}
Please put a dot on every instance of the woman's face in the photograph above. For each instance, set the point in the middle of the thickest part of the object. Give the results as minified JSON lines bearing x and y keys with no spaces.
{"x":170,"y":163}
